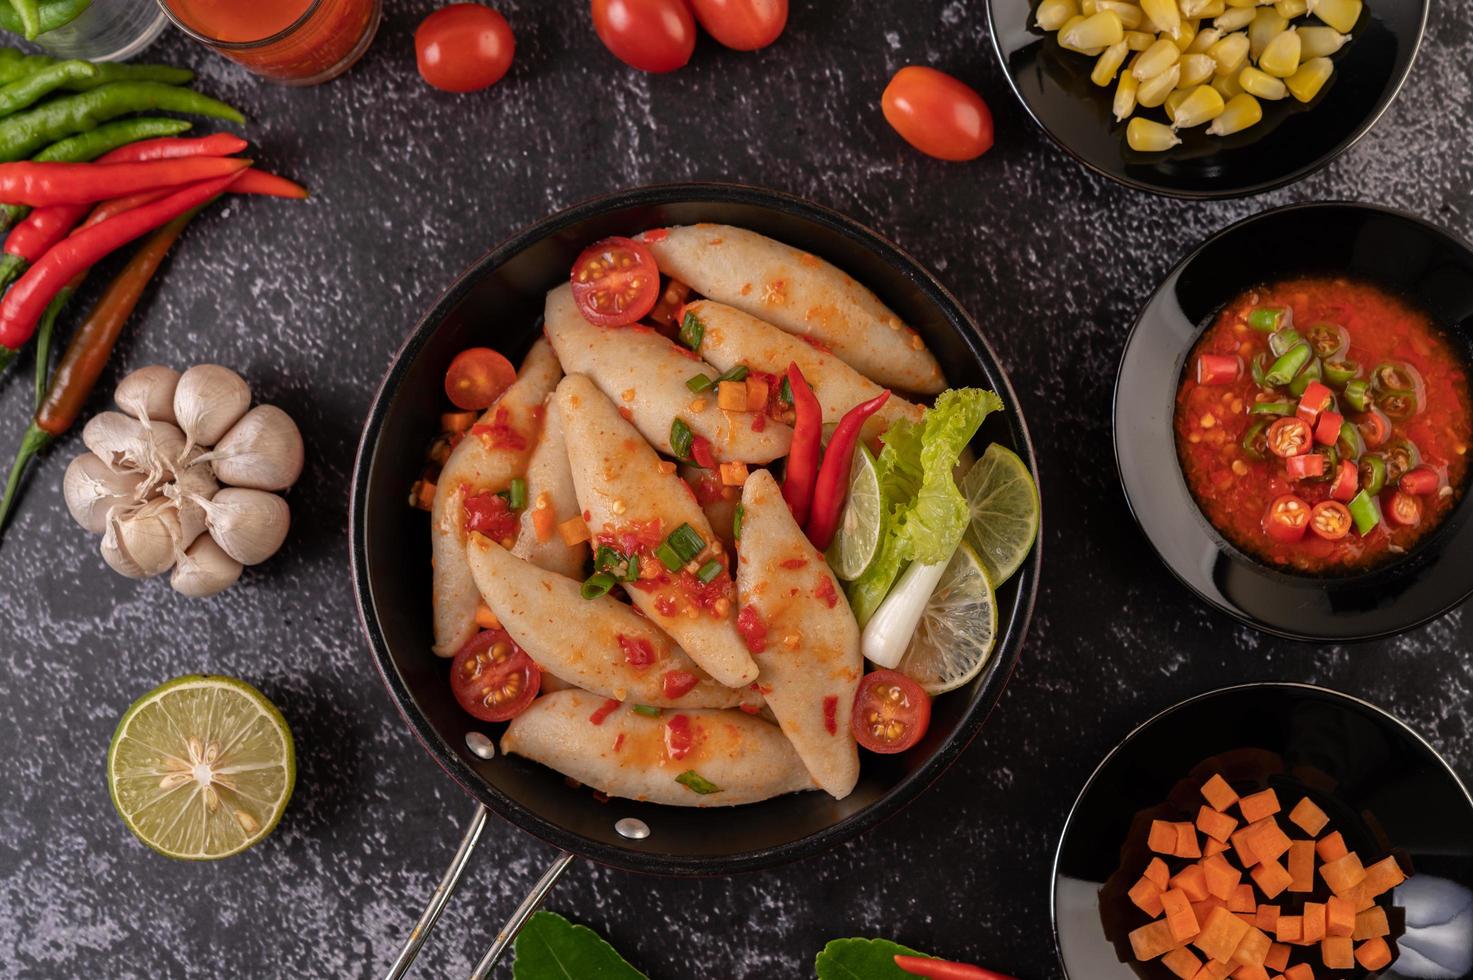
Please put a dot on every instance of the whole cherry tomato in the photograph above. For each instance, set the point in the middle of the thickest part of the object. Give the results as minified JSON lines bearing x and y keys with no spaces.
{"x":651,"y":35}
{"x":742,"y":25}
{"x":464,"y":47}
{"x":477,"y":377}
{"x":937,"y":114}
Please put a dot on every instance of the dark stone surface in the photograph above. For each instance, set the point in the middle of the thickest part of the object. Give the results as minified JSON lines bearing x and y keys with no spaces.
{"x":310,"y":301}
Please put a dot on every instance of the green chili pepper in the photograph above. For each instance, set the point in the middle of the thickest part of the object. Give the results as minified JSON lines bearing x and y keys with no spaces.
{"x":1311,"y":372}
{"x":1271,"y":408}
{"x":26,"y":132}
{"x":691,"y":331}
{"x":22,"y":92}
{"x":1280,"y":342}
{"x":1260,"y":370}
{"x":52,"y":14}
{"x":598,"y":584}
{"x":44,"y":333}
{"x":1398,"y":404}
{"x":1332,"y":462}
{"x":1329,"y":340}
{"x":1255,"y":442}
{"x":646,"y":710}
{"x":1289,"y":364}
{"x":1358,"y":394}
{"x":1365,"y":511}
{"x":29,"y":12}
{"x":1373,"y":473}
{"x":1339,"y":372}
{"x":1352,"y":444}
{"x":697,"y":783}
{"x":15,"y":63}
{"x":1267,"y":319}
{"x":1395,"y":376}
{"x":1402,"y":456}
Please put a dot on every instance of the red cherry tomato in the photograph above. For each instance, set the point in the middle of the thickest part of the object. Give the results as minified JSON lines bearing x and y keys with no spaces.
{"x":1405,"y":509}
{"x":615,"y":282}
{"x":464,"y":47}
{"x":651,"y":35}
{"x":1287,"y":518}
{"x":891,"y":712}
{"x":477,"y":377}
{"x":493,"y":678}
{"x":1330,"y":520}
{"x":1289,"y":437}
{"x":937,"y":114}
{"x":742,"y":25}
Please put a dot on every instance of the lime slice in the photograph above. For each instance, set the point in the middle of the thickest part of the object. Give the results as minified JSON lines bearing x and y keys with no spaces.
{"x":858,"y":537}
{"x":201,"y":767}
{"x":958,"y":629}
{"x":1004,"y":502}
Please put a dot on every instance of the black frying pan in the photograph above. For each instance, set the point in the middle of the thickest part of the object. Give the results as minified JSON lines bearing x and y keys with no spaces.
{"x":498,"y":303}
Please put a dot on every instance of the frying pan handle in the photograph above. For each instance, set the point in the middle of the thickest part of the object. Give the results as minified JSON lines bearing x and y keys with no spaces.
{"x":523,"y":912}
{"x":442,"y":894}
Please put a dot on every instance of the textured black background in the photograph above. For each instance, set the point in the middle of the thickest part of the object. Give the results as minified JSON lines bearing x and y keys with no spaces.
{"x":309,"y":302}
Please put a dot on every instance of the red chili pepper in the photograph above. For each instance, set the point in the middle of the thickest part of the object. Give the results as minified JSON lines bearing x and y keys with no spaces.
{"x":802,"y":465}
{"x":22,"y":307}
{"x":924,"y":966}
{"x":255,"y":181}
{"x":700,"y":451}
{"x":176,"y":148}
{"x":41,"y":229}
{"x":41,"y":184}
{"x":833,"y":479}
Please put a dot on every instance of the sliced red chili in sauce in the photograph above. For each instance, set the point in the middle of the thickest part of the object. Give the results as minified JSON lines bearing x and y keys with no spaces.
{"x":1330,"y":520}
{"x":825,"y":591}
{"x":638,"y":652}
{"x":499,"y":433}
{"x":1289,"y":437}
{"x":604,"y":710}
{"x":677,"y":683}
{"x":489,"y":514}
{"x":679,"y":737}
{"x":831,"y":714}
{"x":752,"y":628}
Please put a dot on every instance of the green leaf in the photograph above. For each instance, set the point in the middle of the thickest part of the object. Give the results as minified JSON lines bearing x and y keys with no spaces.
{"x":549,"y":947}
{"x":862,"y":959}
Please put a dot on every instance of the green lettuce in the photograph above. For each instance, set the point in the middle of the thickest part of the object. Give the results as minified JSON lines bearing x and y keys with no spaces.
{"x":922,"y":513}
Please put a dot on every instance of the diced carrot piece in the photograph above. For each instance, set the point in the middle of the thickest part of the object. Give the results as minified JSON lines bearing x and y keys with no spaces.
{"x":733,"y":474}
{"x":486,"y":619}
{"x":757,"y":392}
{"x":1250,"y":973}
{"x":1344,"y":873}
{"x":1291,"y":929}
{"x":1249,"y":917}
{"x":1314,"y":922}
{"x":453,"y":422}
{"x":1301,"y":866}
{"x":1158,"y":872}
{"x":1371,"y":924}
{"x":1359,"y":897}
{"x":1239,"y":840}
{"x":1182,"y":962}
{"x":1192,"y":881}
{"x":1267,"y":918}
{"x":1211,"y":846}
{"x":1204,"y":908}
{"x":1383,"y":876}
{"x":1339,"y":917}
{"x":1220,"y":935}
{"x":1299,"y":971}
{"x":1186,"y":841}
{"x":1331,"y":847}
{"x":1222,"y":877}
{"x":1252,"y":948}
{"x":573,"y":531}
{"x":1271,"y":878}
{"x":1373,"y":954}
{"x":1308,"y":817}
{"x":1162,"y":838}
{"x":1267,"y":841}
{"x":1338,"y":952}
{"x":1254,"y":808}
{"x":1179,"y":915}
{"x":731,"y":396}
{"x":1152,"y":940}
{"x":544,"y":523}
{"x":1278,"y":956}
{"x":1146,"y":895}
{"x":1242,"y":899}
{"x":1217,"y":970}
{"x":1218,"y":826}
{"x":1218,"y":793}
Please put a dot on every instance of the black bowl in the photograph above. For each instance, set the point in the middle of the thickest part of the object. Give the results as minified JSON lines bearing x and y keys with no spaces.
{"x":498,"y":302}
{"x":1427,"y":266}
{"x":1292,"y":141}
{"x":1383,"y":787}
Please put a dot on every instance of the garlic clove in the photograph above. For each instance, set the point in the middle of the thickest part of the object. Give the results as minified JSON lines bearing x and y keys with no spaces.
{"x":250,"y":525}
{"x":204,"y":569}
{"x":118,"y":440}
{"x":143,"y":543}
{"x":208,"y":400}
{"x":94,"y":491}
{"x":263,"y":451}
{"x":192,"y":483}
{"x":148,"y":394}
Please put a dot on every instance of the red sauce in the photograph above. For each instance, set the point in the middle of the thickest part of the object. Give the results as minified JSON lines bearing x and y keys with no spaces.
{"x":674,"y":591}
{"x":603,"y":711}
{"x":638,"y":652}
{"x":499,"y":433}
{"x":678,"y":683}
{"x":656,"y":235}
{"x":707,"y":486}
{"x":825,"y":591}
{"x":489,"y":514}
{"x":1234,"y":489}
{"x":679,"y":737}
{"x":752,"y":628}
{"x":700,"y":451}
{"x":831,"y":714}
{"x":793,"y":563}
{"x":619,"y":742}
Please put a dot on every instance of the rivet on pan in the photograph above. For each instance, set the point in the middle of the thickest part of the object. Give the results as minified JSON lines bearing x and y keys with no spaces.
{"x":480,"y":745}
{"x":632,"y":828}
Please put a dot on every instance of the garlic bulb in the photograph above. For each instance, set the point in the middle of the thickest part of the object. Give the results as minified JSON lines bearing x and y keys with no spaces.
{"x":263,"y":451}
{"x":249,"y":525}
{"x":191,"y":483}
{"x":94,"y":491}
{"x":208,"y":400}
{"x":148,"y":394}
{"x":204,"y":569}
{"x":143,"y":543}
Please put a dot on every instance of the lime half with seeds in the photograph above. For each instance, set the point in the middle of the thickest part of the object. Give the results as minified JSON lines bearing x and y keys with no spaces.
{"x":858,"y":536}
{"x":201,"y":767}
{"x":1004,"y":503}
{"x":958,"y":629}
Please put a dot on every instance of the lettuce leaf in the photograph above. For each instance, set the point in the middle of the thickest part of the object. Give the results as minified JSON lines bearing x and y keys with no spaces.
{"x":862,"y":959}
{"x":549,"y":947}
{"x":922,"y":514}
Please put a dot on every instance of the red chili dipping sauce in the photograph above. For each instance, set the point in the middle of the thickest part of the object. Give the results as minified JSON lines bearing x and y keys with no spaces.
{"x":1323,"y":425}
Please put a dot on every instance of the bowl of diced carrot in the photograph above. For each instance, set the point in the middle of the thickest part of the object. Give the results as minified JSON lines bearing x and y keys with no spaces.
{"x":1268,"y":831}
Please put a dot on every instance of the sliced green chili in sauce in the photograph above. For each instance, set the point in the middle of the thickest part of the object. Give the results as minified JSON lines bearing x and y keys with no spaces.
{"x":1365,"y":511}
{"x":1289,"y":364}
{"x":692,"y":330}
{"x":697,"y":783}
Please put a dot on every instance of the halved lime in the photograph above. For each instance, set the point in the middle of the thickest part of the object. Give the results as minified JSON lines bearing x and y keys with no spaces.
{"x":1004,"y":502}
{"x":958,"y":629}
{"x":858,"y":536}
{"x":201,"y":767}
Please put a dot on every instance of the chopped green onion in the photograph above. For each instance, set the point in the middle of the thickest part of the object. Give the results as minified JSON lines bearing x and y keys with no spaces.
{"x":632,"y":575}
{"x":736,"y":521}
{"x":1366,"y":512}
{"x":691,"y":331}
{"x":738,"y":373}
{"x":686,"y":542}
{"x":606,"y":558}
{"x":646,"y":710}
{"x":697,"y":783}
{"x":785,"y":393}
{"x":668,"y":557}
{"x":710,"y":570}
{"x":680,"y":439}
{"x":517,"y":494}
{"x":598,"y":584}
{"x":699,"y":383}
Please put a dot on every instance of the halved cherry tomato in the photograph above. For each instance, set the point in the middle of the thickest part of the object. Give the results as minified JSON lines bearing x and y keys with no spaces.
{"x":1289,"y":437}
{"x":1405,"y":509}
{"x":937,"y":114}
{"x":464,"y":47}
{"x":1218,"y":369}
{"x":1422,"y":480}
{"x":1375,"y":428}
{"x":891,"y":712}
{"x":477,"y":377}
{"x":651,"y":35}
{"x":1305,"y":467}
{"x":1347,"y":482}
{"x":1286,"y":519}
{"x":1330,"y":520}
{"x":492,"y":678}
{"x":742,"y":25}
{"x":1316,"y":398}
{"x":1327,"y":429}
{"x":615,"y":282}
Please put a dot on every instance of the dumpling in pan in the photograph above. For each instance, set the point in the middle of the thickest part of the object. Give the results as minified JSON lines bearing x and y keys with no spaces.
{"x":550,"y":501}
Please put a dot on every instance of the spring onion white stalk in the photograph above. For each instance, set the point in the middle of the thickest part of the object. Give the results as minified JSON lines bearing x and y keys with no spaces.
{"x":888,"y":632}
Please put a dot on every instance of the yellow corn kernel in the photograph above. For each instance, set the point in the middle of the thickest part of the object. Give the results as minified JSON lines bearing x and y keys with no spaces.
{"x":1289,"y":9}
{"x":1241,"y":3}
{"x":1172,"y":101}
{"x":1227,"y":86}
{"x":1310,"y":78}
{"x":1153,"y":91}
{"x":1235,"y":19}
{"x":1230,"y":53}
{"x":1125,"y":91}
{"x":1196,"y":69}
{"x":1139,"y":40}
{"x":1261,"y":85}
{"x":1148,"y":136}
{"x":1192,"y":8}
{"x":1188,"y":34}
{"x":1088,"y":7}
{"x":1164,"y":14}
{"x":1202,"y":105}
{"x":1204,"y":40}
{"x":1339,"y":14}
{"x":1096,"y":31}
{"x":1130,"y":15}
{"x":1240,"y":112}
{"x":1281,"y":57}
{"x":1320,"y":42}
{"x":1155,"y":60}
{"x":1267,"y":24}
{"x":1054,"y":14}
{"x":1215,"y":8}
{"x":1107,"y":64}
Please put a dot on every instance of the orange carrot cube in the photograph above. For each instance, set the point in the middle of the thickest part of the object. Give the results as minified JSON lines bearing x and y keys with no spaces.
{"x":1152,"y":940}
{"x":1218,"y":826}
{"x":1250,"y":973}
{"x":1331,"y":847}
{"x":1267,"y":918}
{"x":1158,"y":872}
{"x":1182,"y":962}
{"x":1339,"y":917}
{"x":1186,"y":841}
{"x":1338,"y":952}
{"x":1344,"y":873}
{"x":1218,"y":793}
{"x":1314,"y":922}
{"x":1301,"y":866}
{"x":1162,"y":838}
{"x":1222,"y":878}
{"x":1271,"y":878}
{"x":1146,"y":895}
{"x":1308,"y":817}
{"x":1242,"y":899}
{"x":1371,"y":924}
{"x":1373,"y":954}
{"x":1278,"y":956}
{"x":1290,"y":929}
{"x":1299,"y":971}
{"x":1383,"y":876}
{"x":1267,"y":841}
{"x":1360,"y":897}
{"x":1254,"y":808}
{"x":1204,"y":908}
{"x":1220,"y":935}
{"x":1252,"y":948}
{"x":1213,"y":970}
{"x":1193,"y":881}
{"x":1239,"y":840}
{"x":1211,"y":846}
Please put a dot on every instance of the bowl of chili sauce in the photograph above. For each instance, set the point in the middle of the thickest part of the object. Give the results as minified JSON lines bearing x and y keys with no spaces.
{"x":1293,"y":421}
